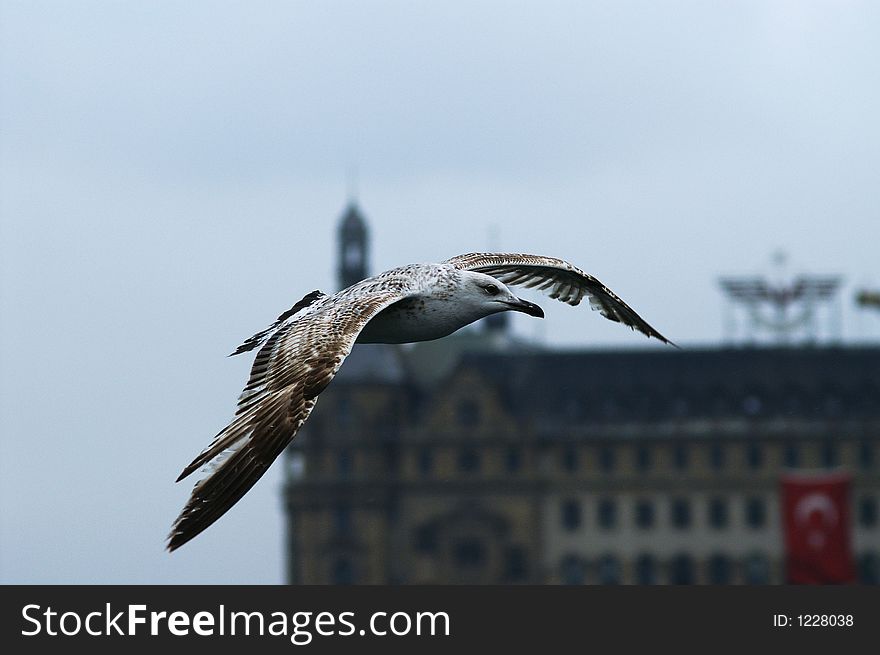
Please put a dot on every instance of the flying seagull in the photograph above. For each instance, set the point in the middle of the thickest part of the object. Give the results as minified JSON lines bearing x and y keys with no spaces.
{"x":302,"y":351}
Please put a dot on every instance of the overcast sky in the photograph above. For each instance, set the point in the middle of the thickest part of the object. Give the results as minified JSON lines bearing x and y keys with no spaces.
{"x":171,"y":175}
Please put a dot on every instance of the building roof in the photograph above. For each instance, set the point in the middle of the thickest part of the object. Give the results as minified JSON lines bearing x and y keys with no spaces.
{"x":661,"y":384}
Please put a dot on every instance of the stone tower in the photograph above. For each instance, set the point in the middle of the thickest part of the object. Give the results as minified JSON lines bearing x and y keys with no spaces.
{"x":353,"y":240}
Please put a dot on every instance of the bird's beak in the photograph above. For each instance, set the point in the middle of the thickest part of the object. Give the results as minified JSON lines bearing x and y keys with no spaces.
{"x":526,"y":307}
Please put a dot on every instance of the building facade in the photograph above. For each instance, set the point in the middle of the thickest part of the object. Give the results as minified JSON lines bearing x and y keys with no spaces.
{"x":522,"y":465}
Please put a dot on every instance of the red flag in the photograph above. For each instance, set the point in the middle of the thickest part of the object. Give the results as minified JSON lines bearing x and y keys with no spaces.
{"x":816,"y":525}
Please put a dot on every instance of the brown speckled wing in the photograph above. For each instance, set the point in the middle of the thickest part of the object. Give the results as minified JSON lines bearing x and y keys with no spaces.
{"x":558,"y":279}
{"x":294,"y":365}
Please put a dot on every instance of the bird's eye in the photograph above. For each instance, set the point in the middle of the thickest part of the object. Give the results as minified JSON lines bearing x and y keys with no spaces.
{"x":491,"y":289}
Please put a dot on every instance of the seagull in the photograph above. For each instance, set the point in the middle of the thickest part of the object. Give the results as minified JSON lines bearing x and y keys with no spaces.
{"x":303,"y":349}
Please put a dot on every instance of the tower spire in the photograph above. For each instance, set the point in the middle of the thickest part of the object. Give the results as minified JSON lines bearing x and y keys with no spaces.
{"x":353,"y":240}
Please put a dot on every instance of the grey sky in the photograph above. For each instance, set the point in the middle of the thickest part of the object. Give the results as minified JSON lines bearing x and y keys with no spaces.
{"x":171,"y":175}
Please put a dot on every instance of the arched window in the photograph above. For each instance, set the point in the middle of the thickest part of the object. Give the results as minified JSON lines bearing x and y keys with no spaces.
{"x":344,"y":463}
{"x":571,"y":515}
{"x":791,"y":455}
{"x":867,"y":511}
{"x":757,"y":569}
{"x":866,"y":454}
{"x":342,"y":519}
{"x":469,"y":554}
{"x":426,"y":538}
{"x":468,"y":413}
{"x":468,"y":460}
{"x":681,"y":513}
{"x":607,"y":513}
{"x":573,"y":570}
{"x":869,"y":568}
{"x":569,"y":458}
{"x":426,"y":461}
{"x":646,"y":569}
{"x":643,"y":457}
{"x":513,"y":459}
{"x":718,"y":513}
{"x":607,"y":459}
{"x":644,"y":514}
{"x":681,"y":570}
{"x":680,"y":456}
{"x":608,"y":570}
{"x":343,"y":571}
{"x":756,"y":512}
{"x":717,"y":456}
{"x":829,"y":454}
{"x":754,"y":455}
{"x":719,"y":569}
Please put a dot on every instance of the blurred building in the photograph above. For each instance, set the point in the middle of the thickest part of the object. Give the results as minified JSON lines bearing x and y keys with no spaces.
{"x":477,"y":459}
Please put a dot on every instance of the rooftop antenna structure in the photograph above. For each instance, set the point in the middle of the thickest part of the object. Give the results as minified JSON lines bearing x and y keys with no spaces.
{"x":781,"y":307}
{"x":351,"y":184}
{"x":868,"y":299}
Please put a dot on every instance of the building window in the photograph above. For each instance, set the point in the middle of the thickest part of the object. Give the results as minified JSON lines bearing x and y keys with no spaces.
{"x":643,"y":457}
{"x":570,"y":458}
{"x":751,"y":405}
{"x":610,"y":408}
{"x":468,"y":413}
{"x":343,"y":571}
{"x":426,"y":461}
{"x":716,"y":456}
{"x":833,"y":405}
{"x":756,"y":512}
{"x":608,"y":570}
{"x":681,"y":513}
{"x":644,"y":514}
{"x":681,"y":570}
{"x":606,"y":459}
{"x":646,"y":570}
{"x":513,"y":459}
{"x":607,"y":513}
{"x":866,"y":454}
{"x":680,"y":456}
{"x":718,"y":513}
{"x":754,"y":455}
{"x":869,"y":568}
{"x":792,"y":455}
{"x":515,"y":566}
{"x":468,"y":460}
{"x":469,"y":554}
{"x":573,"y":570}
{"x":718,"y":569}
{"x":352,"y":255}
{"x":868,"y":512}
{"x":296,"y":464}
{"x":426,"y":538}
{"x":391,"y":458}
{"x":342,"y":519}
{"x":571,"y":515}
{"x":344,"y":463}
{"x":681,"y":407}
{"x":757,"y":569}
{"x":344,"y":412}
{"x":828,"y":454}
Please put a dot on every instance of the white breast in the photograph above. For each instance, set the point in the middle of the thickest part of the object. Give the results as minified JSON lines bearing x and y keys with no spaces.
{"x":418,"y":319}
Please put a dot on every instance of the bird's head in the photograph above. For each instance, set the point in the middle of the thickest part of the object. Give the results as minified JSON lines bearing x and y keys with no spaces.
{"x":492,"y":296}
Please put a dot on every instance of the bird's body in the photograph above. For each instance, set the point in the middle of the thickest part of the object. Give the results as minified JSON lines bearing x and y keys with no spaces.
{"x":301,"y":352}
{"x":438,"y":307}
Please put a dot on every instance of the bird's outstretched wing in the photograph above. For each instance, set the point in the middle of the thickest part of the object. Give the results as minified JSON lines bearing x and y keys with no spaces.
{"x":296,"y":363}
{"x":252,"y":342}
{"x":558,"y":279}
